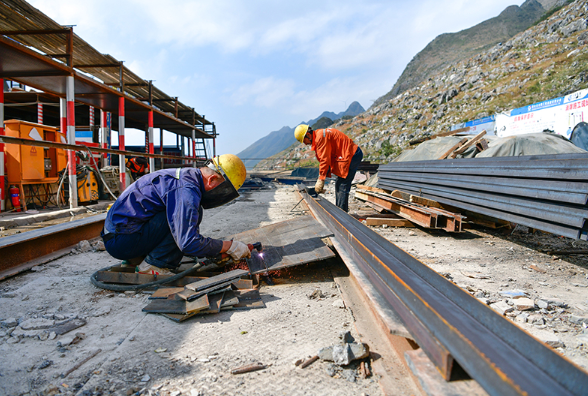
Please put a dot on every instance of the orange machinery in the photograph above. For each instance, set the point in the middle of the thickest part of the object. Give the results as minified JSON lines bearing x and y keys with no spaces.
{"x":29,"y":164}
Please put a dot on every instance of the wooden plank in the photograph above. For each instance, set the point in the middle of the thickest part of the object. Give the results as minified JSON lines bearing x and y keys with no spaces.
{"x":424,"y":201}
{"x":472,"y":141}
{"x":222,"y":278}
{"x":482,"y":145}
{"x":174,"y":306}
{"x":452,"y":149}
{"x":369,"y":188}
{"x":376,"y":221}
{"x":400,"y":195}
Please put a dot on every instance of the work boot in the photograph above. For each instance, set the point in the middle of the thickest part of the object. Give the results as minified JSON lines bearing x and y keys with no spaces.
{"x":145,"y":268}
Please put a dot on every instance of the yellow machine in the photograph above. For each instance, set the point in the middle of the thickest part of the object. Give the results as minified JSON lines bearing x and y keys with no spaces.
{"x":87,"y":187}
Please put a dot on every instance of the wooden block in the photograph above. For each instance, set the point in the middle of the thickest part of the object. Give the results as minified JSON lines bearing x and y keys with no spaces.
{"x":424,"y":201}
{"x":472,"y":141}
{"x":400,"y":195}
{"x":378,"y":221}
{"x":362,"y":196}
{"x":368,"y":188}
{"x":482,"y":145}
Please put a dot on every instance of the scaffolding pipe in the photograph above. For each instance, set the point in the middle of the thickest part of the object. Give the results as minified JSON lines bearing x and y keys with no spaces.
{"x":121,"y":143}
{"x":150,"y":135}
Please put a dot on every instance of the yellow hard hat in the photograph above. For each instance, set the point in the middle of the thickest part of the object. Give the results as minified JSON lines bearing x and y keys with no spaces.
{"x":232,"y":167}
{"x":300,"y":132}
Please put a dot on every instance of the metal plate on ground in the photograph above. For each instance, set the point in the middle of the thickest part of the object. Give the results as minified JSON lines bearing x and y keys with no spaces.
{"x":289,"y":243}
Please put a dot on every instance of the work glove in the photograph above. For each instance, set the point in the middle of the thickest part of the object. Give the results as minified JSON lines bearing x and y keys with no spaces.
{"x":319,"y":187}
{"x":238,"y":251}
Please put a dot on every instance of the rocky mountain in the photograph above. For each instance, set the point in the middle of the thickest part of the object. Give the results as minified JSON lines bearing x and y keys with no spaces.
{"x":449,"y":48}
{"x":279,"y":140}
{"x":548,"y":60}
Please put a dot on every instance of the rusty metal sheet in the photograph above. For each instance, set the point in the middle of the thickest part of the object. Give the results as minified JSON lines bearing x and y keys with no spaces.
{"x":173,"y":306}
{"x":215,"y":280}
{"x":165,"y":292}
{"x":289,"y":243}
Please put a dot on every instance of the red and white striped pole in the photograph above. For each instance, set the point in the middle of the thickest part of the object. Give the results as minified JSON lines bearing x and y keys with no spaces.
{"x":71,"y":139}
{"x":39,"y":113}
{"x":91,"y":114}
{"x":121,"y":143}
{"x":151,"y":138}
{"x":2,"y":189}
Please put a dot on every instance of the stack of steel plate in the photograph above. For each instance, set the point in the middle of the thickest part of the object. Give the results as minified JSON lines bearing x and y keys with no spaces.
{"x":546,"y":192}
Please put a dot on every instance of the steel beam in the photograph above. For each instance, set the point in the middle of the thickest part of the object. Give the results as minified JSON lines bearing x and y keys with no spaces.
{"x":19,"y":249}
{"x":502,"y":358}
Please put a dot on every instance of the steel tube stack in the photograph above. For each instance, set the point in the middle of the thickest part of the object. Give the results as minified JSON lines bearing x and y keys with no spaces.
{"x":546,"y":192}
{"x":447,"y":322}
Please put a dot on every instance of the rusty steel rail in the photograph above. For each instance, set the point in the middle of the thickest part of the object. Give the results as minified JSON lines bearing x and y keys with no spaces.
{"x":449,"y":324}
{"x":21,"y":252}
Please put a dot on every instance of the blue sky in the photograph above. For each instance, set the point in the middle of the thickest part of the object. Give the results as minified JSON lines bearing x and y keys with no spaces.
{"x":254,"y":66}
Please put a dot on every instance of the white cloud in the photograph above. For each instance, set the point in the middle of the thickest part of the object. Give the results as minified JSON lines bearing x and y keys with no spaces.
{"x":264,"y":92}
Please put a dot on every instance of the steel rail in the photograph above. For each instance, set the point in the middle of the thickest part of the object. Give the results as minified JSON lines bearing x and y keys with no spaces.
{"x":548,"y":210}
{"x":560,"y":173}
{"x":538,"y":223}
{"x":523,"y":161}
{"x":562,"y":191}
{"x":19,"y":251}
{"x":504,"y":359}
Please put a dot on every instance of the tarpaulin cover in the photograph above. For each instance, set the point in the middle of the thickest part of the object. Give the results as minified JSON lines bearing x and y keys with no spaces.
{"x":528,"y":144}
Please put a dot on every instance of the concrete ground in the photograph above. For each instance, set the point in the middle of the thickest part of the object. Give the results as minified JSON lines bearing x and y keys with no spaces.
{"x":129,"y":351}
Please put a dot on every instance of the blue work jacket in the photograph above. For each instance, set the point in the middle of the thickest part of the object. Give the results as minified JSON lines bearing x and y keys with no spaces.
{"x":177,"y":192}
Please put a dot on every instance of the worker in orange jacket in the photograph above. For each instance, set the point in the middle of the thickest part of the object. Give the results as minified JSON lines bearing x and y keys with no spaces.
{"x":138,"y":166}
{"x":337,"y":154}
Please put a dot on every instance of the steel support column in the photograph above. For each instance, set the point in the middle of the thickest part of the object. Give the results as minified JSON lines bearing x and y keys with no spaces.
{"x":103,"y":139}
{"x":121,"y":143}
{"x":194,"y":147}
{"x":71,"y":139}
{"x":2,"y":189}
{"x":151,"y":147}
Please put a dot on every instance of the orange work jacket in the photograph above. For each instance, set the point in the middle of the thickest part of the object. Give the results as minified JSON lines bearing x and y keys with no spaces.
{"x":334,"y":151}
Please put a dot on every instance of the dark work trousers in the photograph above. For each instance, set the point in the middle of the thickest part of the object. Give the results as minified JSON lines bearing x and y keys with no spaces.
{"x":153,"y":240}
{"x":343,"y":186}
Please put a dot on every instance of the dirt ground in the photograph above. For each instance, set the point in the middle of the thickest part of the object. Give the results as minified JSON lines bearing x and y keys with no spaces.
{"x":131,"y":352}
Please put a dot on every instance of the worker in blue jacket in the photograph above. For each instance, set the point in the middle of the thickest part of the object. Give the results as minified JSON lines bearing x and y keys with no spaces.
{"x":157,"y":218}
